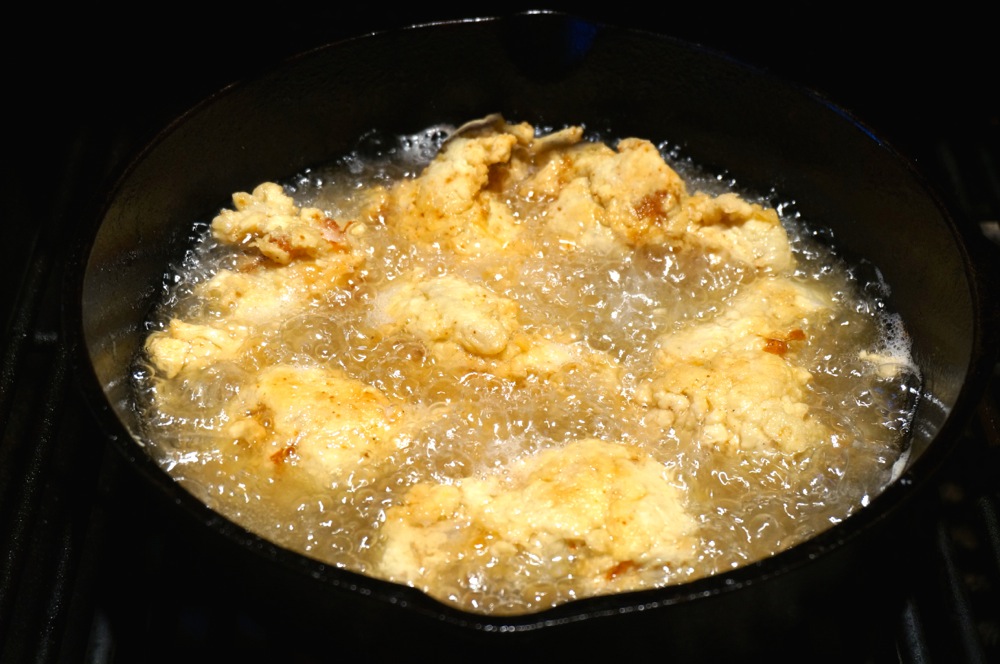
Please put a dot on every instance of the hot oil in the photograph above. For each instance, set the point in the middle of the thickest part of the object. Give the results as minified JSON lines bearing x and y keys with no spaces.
{"x":470,"y":424}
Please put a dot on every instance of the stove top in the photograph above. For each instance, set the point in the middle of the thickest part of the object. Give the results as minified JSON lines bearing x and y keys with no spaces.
{"x":92,"y":573}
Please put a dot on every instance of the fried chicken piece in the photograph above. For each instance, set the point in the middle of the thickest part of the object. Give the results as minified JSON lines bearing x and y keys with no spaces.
{"x":451,"y":312}
{"x":301,"y":256}
{"x":604,"y":199}
{"x":317,"y":419}
{"x":609,"y":200}
{"x":450,"y":204}
{"x":728,"y":225}
{"x":467,"y":327}
{"x":737,"y":400}
{"x":267,"y":294}
{"x":184,"y":346}
{"x":599,"y":511}
{"x":554,"y":354}
{"x":730,"y":382}
{"x":268,"y":221}
{"x":768,"y":308}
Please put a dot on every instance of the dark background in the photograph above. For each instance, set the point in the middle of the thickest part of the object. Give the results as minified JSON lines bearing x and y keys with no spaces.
{"x":911,"y":76}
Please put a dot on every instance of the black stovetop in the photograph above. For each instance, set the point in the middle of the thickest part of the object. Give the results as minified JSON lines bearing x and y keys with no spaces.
{"x":89,"y":571}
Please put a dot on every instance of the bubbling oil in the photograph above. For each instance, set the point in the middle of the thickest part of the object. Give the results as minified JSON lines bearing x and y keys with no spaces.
{"x":473,"y":423}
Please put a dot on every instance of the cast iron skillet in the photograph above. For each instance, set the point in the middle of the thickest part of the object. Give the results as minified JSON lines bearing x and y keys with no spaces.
{"x":552,"y":69}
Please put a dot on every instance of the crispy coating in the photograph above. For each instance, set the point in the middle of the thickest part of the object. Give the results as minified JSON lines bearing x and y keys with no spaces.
{"x":730,"y":226}
{"x":553,"y":354}
{"x":450,"y":204}
{"x":452,"y":314}
{"x":603,"y":198}
{"x":265,"y":294}
{"x":317,"y":419}
{"x":184,"y":346}
{"x":301,"y":256}
{"x":605,"y":509}
{"x":610,"y":200}
{"x":268,"y":221}
{"x":766,"y":308}
{"x":730,"y":383}
{"x":467,"y":327}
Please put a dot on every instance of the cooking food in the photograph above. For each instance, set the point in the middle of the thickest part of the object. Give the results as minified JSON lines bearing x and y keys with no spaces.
{"x":514,"y":366}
